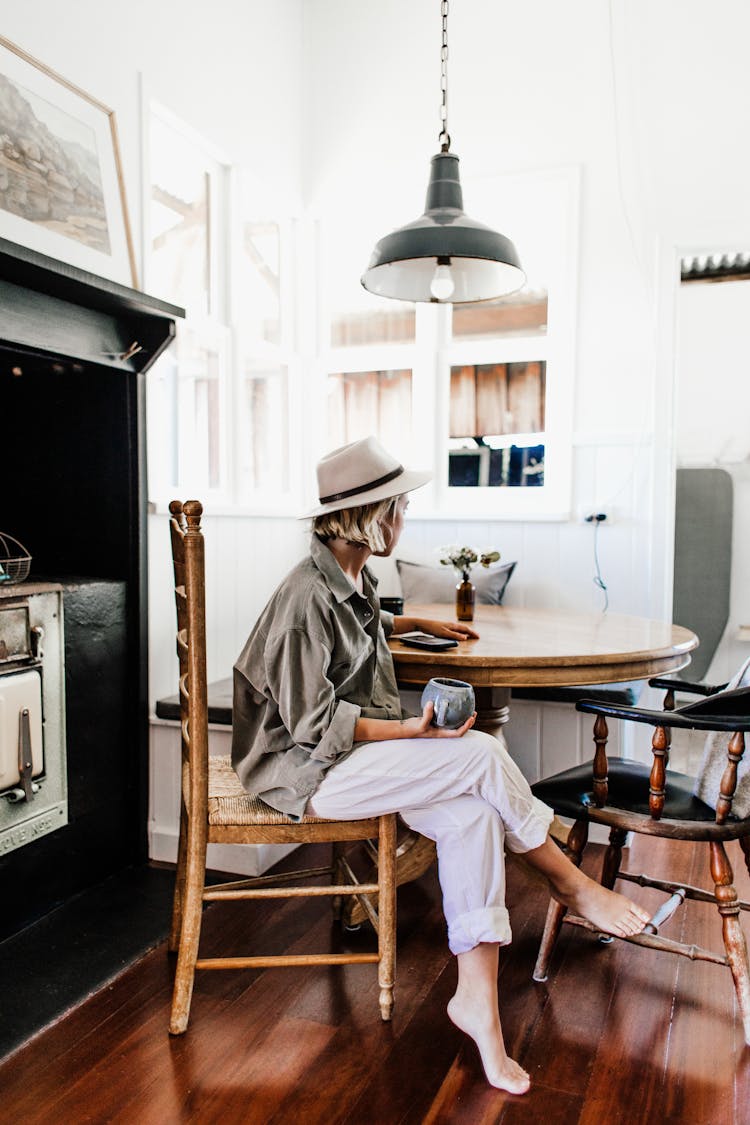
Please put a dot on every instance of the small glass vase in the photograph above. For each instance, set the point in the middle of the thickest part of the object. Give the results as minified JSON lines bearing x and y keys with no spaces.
{"x":465,"y":600}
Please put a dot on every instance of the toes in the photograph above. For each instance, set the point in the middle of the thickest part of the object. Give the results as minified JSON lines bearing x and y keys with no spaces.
{"x":516,"y":1083}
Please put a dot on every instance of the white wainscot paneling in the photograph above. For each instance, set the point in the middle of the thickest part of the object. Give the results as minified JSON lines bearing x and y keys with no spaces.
{"x":164,"y":810}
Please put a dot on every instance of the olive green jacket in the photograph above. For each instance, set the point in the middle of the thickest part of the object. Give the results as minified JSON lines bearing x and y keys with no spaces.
{"x":315,"y":662}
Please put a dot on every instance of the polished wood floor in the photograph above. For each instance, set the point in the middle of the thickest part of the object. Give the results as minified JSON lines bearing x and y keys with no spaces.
{"x":617,"y":1035}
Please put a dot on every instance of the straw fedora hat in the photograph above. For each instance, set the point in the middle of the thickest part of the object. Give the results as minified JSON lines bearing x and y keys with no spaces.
{"x":361,"y":473}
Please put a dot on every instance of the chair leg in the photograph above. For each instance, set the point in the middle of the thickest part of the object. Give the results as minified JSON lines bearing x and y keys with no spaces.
{"x":337,"y":878}
{"x":611,"y":868}
{"x":613,"y":857}
{"x":179,"y":883}
{"x":387,"y":912}
{"x":577,"y":839}
{"x":734,"y":937}
{"x":190,"y":932}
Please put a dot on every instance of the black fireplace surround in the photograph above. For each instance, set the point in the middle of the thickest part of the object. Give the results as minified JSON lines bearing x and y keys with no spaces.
{"x":73,"y":491}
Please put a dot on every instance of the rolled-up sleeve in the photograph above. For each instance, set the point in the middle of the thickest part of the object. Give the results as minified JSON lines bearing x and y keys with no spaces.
{"x":296,"y":671}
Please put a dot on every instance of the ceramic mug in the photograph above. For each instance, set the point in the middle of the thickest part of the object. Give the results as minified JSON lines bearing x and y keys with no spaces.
{"x":453,"y":702}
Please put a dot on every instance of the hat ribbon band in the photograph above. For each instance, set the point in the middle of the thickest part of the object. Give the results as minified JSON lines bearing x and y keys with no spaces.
{"x":362,"y":487}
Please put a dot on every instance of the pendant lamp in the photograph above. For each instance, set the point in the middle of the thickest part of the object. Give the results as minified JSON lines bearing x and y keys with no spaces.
{"x":444,"y":256}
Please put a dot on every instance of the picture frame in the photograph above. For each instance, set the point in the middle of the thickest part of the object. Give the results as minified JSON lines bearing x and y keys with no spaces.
{"x":62,"y":191}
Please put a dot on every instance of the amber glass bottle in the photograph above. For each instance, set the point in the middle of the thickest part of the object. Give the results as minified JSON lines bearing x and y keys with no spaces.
{"x":465,"y":599}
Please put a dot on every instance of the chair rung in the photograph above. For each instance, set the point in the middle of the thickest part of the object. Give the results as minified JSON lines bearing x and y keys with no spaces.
{"x":655,"y":941}
{"x":211,"y":895}
{"x":287,"y":961}
{"x":697,"y":893}
{"x":270,"y":880}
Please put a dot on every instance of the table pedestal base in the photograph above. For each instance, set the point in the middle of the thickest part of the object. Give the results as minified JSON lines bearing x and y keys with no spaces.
{"x":493,"y":710}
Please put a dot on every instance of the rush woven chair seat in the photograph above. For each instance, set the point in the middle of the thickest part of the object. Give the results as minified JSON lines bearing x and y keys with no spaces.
{"x":629,"y":796}
{"x":216,"y":809}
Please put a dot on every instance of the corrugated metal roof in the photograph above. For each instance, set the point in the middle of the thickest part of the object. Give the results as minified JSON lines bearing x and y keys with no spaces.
{"x":733,"y":266}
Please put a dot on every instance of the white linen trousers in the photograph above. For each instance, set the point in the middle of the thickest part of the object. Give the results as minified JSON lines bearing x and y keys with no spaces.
{"x":468,"y":795}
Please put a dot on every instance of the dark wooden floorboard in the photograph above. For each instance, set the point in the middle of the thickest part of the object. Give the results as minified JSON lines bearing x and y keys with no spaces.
{"x":699,"y":1078}
{"x":617,"y":1034}
{"x":630,"y":1023}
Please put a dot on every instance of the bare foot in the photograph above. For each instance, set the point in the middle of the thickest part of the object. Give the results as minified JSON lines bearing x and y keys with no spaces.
{"x":484,"y":1028}
{"x":610,"y":912}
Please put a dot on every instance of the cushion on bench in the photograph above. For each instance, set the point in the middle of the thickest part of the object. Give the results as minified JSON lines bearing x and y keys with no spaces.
{"x":219,"y":704}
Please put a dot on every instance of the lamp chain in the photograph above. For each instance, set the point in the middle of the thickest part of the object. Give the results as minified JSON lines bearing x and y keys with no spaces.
{"x":445,"y":137}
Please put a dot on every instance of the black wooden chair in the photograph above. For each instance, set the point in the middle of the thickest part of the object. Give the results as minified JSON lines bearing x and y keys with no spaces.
{"x":629,"y":796}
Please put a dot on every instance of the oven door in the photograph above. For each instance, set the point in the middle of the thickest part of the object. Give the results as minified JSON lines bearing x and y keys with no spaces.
{"x":20,"y":725}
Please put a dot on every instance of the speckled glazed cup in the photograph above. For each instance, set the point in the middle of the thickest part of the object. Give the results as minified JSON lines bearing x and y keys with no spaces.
{"x":453,"y":701}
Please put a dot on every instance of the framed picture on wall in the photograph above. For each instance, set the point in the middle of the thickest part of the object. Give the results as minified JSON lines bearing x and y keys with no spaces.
{"x":61,"y":184}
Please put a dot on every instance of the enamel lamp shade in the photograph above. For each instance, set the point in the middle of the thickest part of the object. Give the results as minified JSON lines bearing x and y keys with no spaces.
{"x":444,"y":256}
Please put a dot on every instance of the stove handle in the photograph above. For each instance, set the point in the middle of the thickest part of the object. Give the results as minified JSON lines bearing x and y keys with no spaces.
{"x":37,"y":641}
{"x":25,"y":764}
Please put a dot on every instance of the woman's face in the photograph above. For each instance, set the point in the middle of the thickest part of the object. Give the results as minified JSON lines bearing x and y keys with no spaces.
{"x":393,"y":526}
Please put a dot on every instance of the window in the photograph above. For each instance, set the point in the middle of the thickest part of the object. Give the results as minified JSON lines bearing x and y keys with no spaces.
{"x":520,"y":314}
{"x":263,"y":450}
{"x":365,"y":402}
{"x":496,"y":425}
{"x":363,"y":381}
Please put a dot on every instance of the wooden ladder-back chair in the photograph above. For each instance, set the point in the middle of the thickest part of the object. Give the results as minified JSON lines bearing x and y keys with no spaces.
{"x":216,"y":809}
{"x":629,"y":796}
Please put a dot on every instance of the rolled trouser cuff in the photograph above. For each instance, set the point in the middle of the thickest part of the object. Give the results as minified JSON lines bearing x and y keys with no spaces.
{"x":489,"y":924}
{"x":533,"y":831}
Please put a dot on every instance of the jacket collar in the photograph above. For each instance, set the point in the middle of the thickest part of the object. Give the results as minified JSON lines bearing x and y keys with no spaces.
{"x":340,"y":585}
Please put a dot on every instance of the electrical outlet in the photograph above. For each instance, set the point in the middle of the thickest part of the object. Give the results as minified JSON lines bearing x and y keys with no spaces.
{"x":595,"y":517}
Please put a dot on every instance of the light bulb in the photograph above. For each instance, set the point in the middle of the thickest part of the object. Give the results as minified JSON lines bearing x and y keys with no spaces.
{"x":442,"y":283}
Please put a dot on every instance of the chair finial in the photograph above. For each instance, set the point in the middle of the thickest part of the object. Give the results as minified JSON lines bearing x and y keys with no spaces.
{"x":193,"y":510}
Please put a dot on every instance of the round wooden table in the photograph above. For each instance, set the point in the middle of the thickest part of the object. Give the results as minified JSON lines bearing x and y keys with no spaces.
{"x":542,"y":648}
{"x":530,"y":648}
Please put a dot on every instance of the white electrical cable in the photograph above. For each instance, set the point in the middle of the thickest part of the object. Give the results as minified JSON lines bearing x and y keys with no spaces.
{"x":598,"y":578}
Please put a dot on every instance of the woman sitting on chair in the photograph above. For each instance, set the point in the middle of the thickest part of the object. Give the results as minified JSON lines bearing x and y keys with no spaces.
{"x":319,"y":730}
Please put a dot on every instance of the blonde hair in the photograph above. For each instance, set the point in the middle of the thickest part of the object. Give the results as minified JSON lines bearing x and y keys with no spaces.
{"x":358,"y":525}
